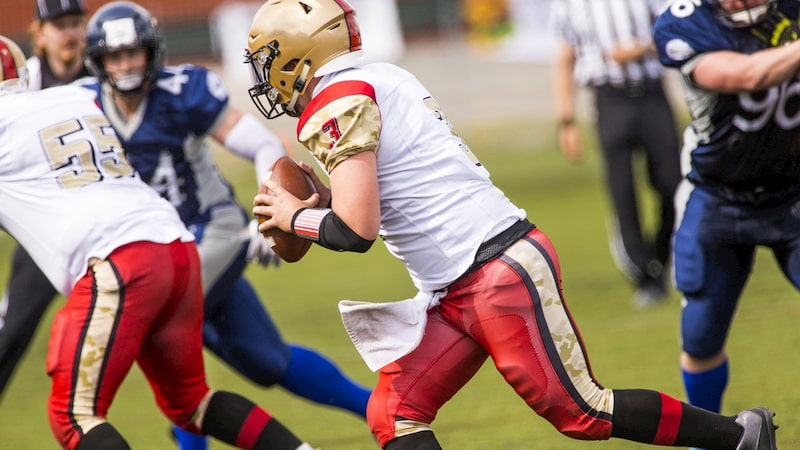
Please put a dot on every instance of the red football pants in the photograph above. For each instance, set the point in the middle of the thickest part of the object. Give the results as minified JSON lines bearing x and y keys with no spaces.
{"x":143,"y":303}
{"x":510,"y":309}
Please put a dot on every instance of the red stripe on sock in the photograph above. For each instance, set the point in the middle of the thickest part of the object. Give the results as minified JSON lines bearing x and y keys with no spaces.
{"x":670,"y":422}
{"x":252,"y":428}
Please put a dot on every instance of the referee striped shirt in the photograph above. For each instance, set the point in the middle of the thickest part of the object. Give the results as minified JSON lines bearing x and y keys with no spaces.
{"x":594,"y":27}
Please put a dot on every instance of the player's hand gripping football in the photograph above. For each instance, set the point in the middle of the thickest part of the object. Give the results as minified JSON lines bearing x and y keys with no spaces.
{"x":279,"y":205}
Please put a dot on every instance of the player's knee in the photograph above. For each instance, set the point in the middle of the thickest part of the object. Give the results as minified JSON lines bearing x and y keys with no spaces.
{"x":575,"y":422}
{"x":69,"y":429}
{"x":187,"y":416}
{"x":585,"y":428}
{"x":389,"y":428}
{"x":701,"y":347}
{"x":402,"y":434}
{"x":268,"y":372}
{"x":381,"y":422}
{"x":696,"y":364}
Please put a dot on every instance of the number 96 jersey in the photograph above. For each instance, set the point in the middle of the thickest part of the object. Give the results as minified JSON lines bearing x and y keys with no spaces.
{"x":745,"y":141}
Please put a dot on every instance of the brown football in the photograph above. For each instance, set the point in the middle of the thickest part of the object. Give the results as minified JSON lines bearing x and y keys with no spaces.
{"x":291,"y":177}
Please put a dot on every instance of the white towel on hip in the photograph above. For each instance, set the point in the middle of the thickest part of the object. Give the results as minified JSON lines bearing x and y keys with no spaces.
{"x":384,"y":332}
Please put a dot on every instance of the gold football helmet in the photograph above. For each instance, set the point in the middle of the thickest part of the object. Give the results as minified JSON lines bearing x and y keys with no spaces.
{"x":292,"y":41}
{"x":13,"y":72}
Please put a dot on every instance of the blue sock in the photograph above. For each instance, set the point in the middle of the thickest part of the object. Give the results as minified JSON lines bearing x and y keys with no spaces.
{"x":189,"y":441}
{"x":312,"y":376}
{"x":705,"y":389}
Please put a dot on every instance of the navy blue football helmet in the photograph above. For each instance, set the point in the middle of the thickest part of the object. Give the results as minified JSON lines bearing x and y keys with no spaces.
{"x":747,"y":16}
{"x":118,"y":26}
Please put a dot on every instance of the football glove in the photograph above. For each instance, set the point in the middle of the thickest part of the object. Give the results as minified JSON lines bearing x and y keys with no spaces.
{"x":777,"y":30}
{"x":259,"y":251}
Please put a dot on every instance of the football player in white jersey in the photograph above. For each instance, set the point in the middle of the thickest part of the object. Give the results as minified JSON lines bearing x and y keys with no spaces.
{"x":58,"y":41}
{"x":165,"y":116}
{"x":488,"y":280}
{"x":125,"y":261}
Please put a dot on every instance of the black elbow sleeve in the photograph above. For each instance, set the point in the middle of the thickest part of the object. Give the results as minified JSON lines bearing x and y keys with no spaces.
{"x":336,"y":235}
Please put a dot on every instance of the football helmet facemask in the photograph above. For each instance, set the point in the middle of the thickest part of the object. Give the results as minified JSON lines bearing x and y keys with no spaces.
{"x":293,"y":41}
{"x":118,"y":26}
{"x":13,"y":72}
{"x":747,"y":16}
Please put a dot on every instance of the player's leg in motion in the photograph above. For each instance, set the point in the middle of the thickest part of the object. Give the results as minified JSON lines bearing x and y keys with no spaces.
{"x":243,"y":335}
{"x":638,"y":415}
{"x":22,"y":306}
{"x":223,"y":415}
{"x":111,"y":320}
{"x":240,"y":331}
{"x":711,"y":290}
{"x":524,"y":324}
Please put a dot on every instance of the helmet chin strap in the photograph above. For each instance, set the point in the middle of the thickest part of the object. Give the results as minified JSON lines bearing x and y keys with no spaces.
{"x":299,"y":85}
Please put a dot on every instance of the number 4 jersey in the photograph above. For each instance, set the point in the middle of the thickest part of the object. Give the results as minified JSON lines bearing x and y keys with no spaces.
{"x":165,"y":139}
{"x":67,"y":192}
{"x":748,"y":141}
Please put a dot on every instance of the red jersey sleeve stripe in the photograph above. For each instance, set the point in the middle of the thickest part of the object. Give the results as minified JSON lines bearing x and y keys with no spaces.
{"x":334,"y":92}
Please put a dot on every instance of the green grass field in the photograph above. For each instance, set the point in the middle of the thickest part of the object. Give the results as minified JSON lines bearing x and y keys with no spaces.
{"x":628,"y":348}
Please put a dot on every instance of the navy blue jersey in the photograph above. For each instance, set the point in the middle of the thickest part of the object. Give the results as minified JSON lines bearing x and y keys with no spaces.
{"x":165,"y":140}
{"x":746,"y":141}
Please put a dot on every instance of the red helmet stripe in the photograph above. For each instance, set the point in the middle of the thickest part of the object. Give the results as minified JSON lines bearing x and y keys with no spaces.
{"x":352,"y":25}
{"x":9,"y":66}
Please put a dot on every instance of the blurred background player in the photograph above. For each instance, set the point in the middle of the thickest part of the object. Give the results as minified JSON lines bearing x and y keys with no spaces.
{"x":126,"y":262}
{"x":163,"y":116}
{"x":58,"y":40}
{"x":739,"y":61}
{"x":489,"y":281}
{"x":58,"y":34}
{"x":607,"y":46}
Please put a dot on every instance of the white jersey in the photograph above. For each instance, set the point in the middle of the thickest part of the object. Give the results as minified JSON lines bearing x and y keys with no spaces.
{"x":67,"y":192}
{"x":437,"y":202}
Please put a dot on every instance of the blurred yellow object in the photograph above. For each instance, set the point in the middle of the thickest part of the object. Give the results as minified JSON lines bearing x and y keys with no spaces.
{"x":486,"y":20}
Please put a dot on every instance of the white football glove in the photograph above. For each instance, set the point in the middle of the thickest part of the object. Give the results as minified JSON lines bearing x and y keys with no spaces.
{"x":259,"y":250}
